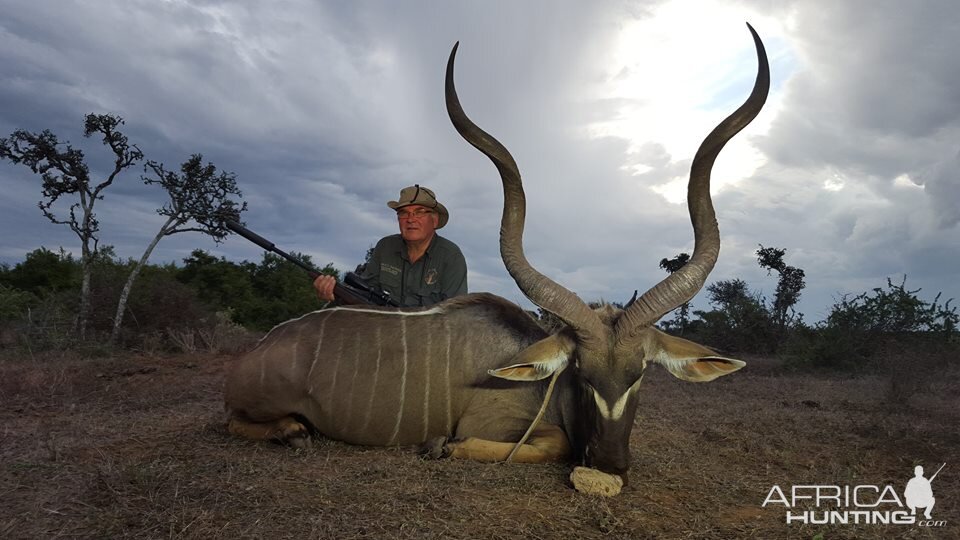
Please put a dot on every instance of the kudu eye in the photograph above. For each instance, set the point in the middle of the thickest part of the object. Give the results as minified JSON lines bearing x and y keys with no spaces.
{"x":587,"y":384}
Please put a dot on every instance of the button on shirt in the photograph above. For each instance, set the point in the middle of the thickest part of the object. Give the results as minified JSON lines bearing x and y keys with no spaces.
{"x":439,"y":274}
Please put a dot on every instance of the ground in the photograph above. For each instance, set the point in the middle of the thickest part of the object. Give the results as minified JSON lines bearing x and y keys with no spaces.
{"x":136,"y":446}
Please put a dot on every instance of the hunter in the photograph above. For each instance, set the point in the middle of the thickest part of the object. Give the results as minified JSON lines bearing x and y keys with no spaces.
{"x":417,"y":267}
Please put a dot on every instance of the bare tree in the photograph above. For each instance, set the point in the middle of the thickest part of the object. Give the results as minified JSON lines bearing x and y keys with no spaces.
{"x":65,"y":173}
{"x":199,"y":202}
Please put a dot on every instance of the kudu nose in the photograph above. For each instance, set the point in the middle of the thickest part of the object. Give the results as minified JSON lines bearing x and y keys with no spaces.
{"x":617,"y":465}
{"x":609,"y":468}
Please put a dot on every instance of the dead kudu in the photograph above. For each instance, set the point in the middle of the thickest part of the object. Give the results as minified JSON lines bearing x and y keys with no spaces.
{"x":384,"y":377}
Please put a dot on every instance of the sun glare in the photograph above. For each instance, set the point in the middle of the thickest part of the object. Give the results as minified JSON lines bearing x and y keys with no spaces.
{"x":678,"y":73}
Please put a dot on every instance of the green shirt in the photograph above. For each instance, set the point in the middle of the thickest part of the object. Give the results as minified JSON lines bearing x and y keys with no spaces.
{"x":439,"y":274}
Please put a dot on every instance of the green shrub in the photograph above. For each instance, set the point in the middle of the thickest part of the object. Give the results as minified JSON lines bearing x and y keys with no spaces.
{"x":50,"y":322}
{"x":39,"y":301}
{"x":14,"y":303}
{"x":860,"y":331}
{"x":739,"y":322}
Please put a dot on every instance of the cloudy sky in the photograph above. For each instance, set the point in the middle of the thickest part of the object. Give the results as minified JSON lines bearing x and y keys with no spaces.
{"x":325,"y":109}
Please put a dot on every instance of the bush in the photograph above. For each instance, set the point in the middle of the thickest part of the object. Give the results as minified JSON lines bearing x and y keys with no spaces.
{"x":14,"y":307}
{"x":169,"y":308}
{"x":860,"y":331}
{"x":218,"y":334}
{"x":158,"y":304}
{"x":49,"y":322}
{"x":896,"y":310}
{"x":44,"y":271}
{"x":258,"y":296}
{"x":740,"y":322}
{"x":14,"y":303}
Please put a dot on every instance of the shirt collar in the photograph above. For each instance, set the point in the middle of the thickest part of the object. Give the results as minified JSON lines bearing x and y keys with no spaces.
{"x":403,"y":247}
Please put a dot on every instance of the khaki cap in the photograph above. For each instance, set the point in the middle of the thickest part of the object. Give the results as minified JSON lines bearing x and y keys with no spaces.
{"x":422,"y":196}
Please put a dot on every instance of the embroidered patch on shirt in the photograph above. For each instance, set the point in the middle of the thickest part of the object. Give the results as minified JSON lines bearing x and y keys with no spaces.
{"x":390,"y":269}
{"x":431,"y":276}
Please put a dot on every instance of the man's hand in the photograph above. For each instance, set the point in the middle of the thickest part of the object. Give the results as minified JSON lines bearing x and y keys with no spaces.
{"x":324,"y":285}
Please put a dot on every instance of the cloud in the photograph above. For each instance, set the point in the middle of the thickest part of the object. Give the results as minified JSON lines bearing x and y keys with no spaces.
{"x":941,"y":182}
{"x":324,"y":110}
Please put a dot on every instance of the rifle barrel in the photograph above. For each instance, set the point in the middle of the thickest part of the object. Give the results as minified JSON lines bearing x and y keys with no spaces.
{"x":936,"y":473}
{"x":250,"y":235}
{"x":269,"y":246}
{"x":346,"y":294}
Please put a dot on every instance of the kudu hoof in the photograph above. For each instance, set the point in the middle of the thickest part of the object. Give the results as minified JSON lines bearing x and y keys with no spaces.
{"x":435,"y":448}
{"x":300,"y":442}
{"x":294,"y":434}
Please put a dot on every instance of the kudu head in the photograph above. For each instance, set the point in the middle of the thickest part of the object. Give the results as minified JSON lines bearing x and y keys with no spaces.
{"x":608,"y":349}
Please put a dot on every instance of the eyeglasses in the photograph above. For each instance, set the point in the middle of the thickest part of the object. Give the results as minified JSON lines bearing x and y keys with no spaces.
{"x":416,"y":214}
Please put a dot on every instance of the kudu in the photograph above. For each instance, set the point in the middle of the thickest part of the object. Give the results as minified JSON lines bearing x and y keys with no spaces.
{"x":384,"y":377}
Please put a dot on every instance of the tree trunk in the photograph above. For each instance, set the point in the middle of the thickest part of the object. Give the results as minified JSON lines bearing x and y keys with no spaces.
{"x":85,"y":232}
{"x":125,"y":294}
{"x":86,"y":268}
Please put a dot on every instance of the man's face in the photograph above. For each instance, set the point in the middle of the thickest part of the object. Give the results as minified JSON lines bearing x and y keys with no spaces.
{"x":417,"y":223}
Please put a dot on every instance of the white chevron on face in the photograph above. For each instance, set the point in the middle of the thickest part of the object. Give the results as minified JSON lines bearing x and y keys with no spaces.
{"x":616,"y":412}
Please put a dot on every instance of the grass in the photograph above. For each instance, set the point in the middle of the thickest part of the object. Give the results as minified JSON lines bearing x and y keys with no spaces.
{"x":136,"y":447}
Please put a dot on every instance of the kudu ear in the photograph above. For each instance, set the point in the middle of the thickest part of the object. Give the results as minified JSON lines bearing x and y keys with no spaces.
{"x":691,"y":361}
{"x":540,"y":360}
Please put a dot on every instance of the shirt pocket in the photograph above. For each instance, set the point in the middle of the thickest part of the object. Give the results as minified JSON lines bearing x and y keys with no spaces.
{"x":389,"y":277}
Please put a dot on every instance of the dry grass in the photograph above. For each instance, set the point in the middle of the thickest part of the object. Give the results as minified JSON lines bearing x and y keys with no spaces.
{"x":136,"y":447}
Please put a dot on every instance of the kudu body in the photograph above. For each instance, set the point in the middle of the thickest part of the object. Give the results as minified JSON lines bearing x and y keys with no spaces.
{"x":377,"y":376}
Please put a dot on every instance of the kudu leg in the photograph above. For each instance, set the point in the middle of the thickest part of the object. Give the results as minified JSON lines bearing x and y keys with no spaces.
{"x":285,"y":430}
{"x":547,"y":443}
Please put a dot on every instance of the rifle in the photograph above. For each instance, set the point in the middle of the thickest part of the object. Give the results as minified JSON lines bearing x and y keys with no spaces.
{"x":353,"y":291}
{"x":936,"y":473}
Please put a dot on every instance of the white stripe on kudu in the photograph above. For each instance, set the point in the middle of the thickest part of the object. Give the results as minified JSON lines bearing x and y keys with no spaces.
{"x":263,"y":363}
{"x":353,"y":380}
{"x":373,"y":385}
{"x":431,"y":311}
{"x":426,"y":385}
{"x":403,"y":383}
{"x":333,"y":380}
{"x":294,"y":355}
{"x":446,"y":329}
{"x":316,"y":354}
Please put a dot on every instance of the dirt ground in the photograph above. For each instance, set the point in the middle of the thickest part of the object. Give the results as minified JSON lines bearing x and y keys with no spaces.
{"x":136,"y":447}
